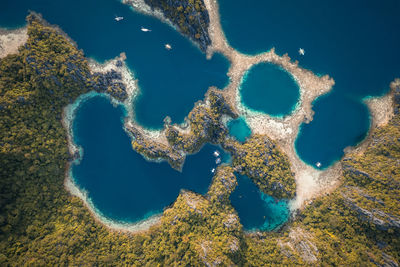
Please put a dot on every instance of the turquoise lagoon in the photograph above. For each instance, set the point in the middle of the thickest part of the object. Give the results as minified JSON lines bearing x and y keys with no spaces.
{"x":239,"y":129}
{"x":355,"y":42}
{"x":264,"y":213}
{"x":269,"y":89}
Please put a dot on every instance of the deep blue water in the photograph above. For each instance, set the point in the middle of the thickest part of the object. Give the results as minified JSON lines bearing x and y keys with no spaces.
{"x":239,"y":129}
{"x":119,"y":181}
{"x":355,"y":42}
{"x":257,"y":210}
{"x":269,"y":89}
{"x":164,"y":76}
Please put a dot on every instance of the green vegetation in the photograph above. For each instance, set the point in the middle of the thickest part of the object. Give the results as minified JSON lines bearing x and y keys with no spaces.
{"x":205,"y":125}
{"x":260,"y":160}
{"x":43,"y":225}
{"x":156,"y":150}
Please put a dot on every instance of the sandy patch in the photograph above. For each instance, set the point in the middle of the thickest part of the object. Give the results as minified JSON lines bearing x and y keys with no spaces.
{"x":11,"y":40}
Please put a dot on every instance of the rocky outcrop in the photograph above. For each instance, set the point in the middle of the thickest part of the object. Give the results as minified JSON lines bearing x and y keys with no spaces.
{"x":110,"y":83}
{"x":395,"y":86}
{"x":261,"y":160}
{"x":224,"y":182}
{"x":382,"y":220}
{"x":155,"y":150}
{"x":203,"y":125}
{"x":189,"y":16}
{"x":300,"y":242}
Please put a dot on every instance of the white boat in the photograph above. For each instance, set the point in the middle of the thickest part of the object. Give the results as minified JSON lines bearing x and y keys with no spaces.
{"x":143,"y":29}
{"x":168,"y":46}
{"x":218,"y":161}
{"x":301,"y":52}
{"x":216,"y":153}
{"x":119,"y":18}
{"x":318,"y":164}
{"x":212,"y":170}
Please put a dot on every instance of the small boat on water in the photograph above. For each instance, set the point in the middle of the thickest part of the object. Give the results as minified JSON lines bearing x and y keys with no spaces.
{"x":318,"y":164}
{"x":168,"y":46}
{"x":212,"y":170}
{"x":218,"y":161}
{"x":301,"y":52}
{"x":216,"y":153}
{"x":143,"y":29}
{"x":119,"y":18}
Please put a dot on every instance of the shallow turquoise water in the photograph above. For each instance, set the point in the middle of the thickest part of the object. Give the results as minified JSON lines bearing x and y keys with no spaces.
{"x":239,"y":129}
{"x":355,"y":42}
{"x":255,"y":209}
{"x":121,"y":184}
{"x":182,"y":74}
{"x":269,"y":89}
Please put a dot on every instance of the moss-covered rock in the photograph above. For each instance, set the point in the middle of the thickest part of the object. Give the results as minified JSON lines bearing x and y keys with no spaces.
{"x":261,"y":160}
{"x":204,"y":124}
{"x":154,"y":150}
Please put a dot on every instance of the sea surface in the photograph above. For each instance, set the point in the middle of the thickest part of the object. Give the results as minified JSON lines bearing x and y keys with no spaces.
{"x":255,"y":209}
{"x":269,"y":89}
{"x":165,"y":76}
{"x":355,"y":42}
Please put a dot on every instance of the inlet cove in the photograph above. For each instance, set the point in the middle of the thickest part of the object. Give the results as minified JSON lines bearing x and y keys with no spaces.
{"x":126,"y":188}
{"x":120,"y":182}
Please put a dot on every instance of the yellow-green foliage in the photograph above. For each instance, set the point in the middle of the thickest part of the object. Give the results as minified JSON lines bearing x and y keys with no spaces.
{"x":223,"y":185}
{"x":195,"y":231}
{"x":371,"y":182}
{"x":265,"y":164}
{"x":205,"y":125}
